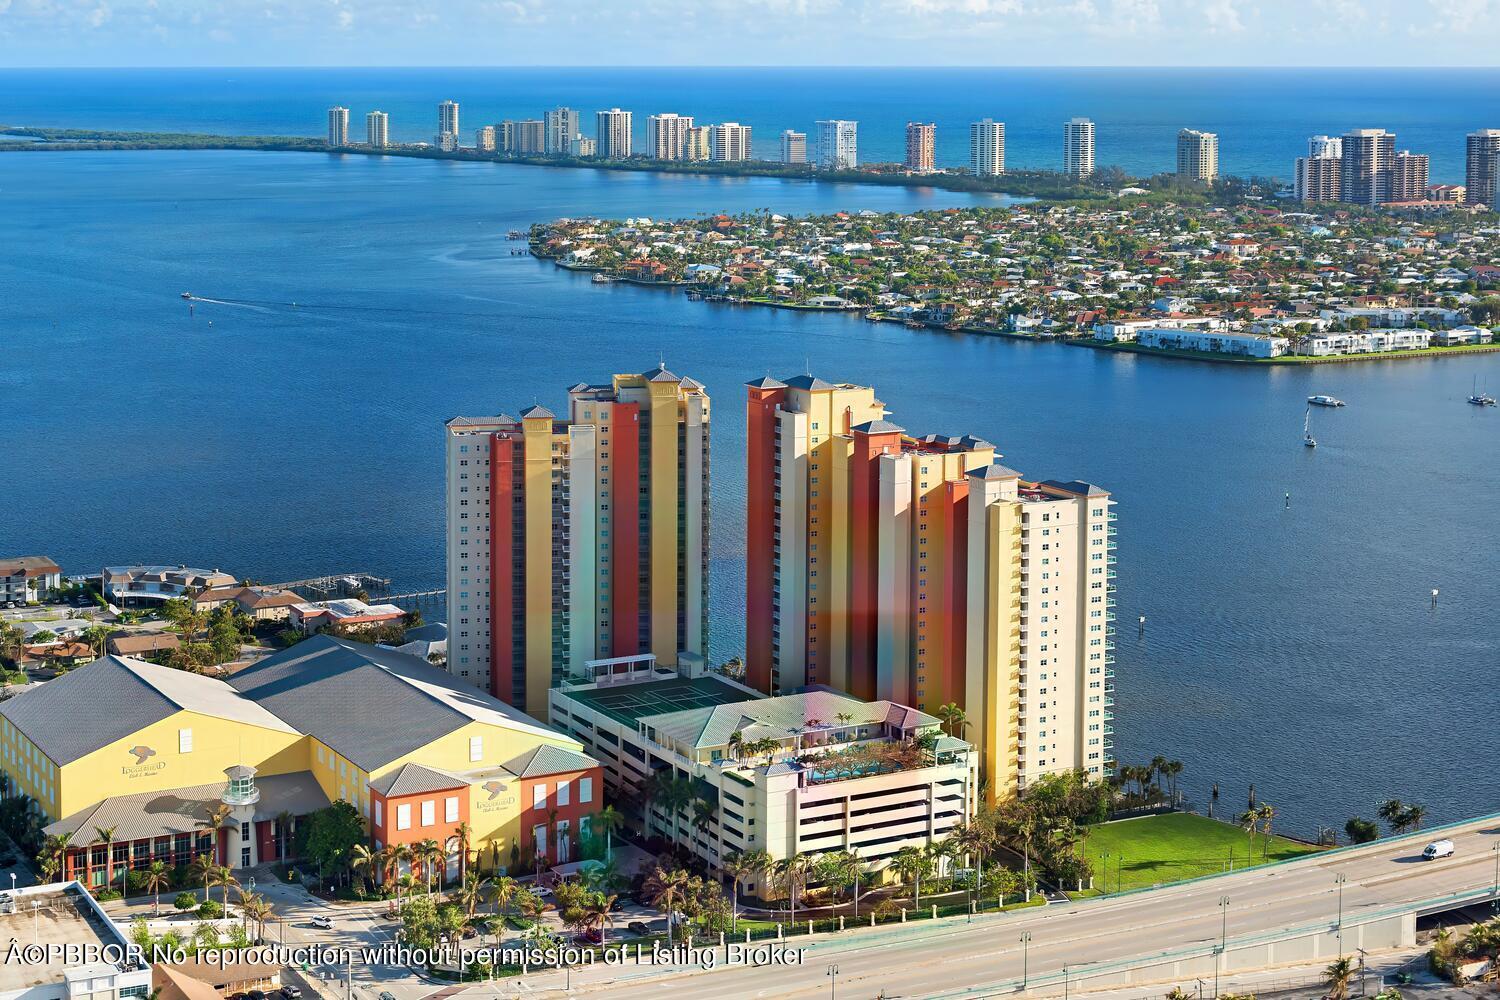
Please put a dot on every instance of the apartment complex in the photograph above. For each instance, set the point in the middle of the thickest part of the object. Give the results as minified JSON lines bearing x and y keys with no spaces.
{"x":666,"y":136}
{"x":1197,"y":155}
{"x":1408,"y":177}
{"x":578,"y":539}
{"x":793,"y":147}
{"x":843,"y":773}
{"x":1367,"y":158}
{"x":729,"y":142}
{"x":987,"y":148}
{"x":484,"y":139}
{"x":875,"y":565}
{"x":283,"y":738}
{"x":837,"y":144}
{"x":377,"y":130}
{"x":1078,"y":147}
{"x":1319,"y":174}
{"x":563,"y":125}
{"x":447,"y":132}
{"x":699,"y":143}
{"x":613,"y":128}
{"x":338,"y":126}
{"x":1481,"y":149}
{"x":528,"y":137}
{"x":921,"y":139}
{"x":27,"y":578}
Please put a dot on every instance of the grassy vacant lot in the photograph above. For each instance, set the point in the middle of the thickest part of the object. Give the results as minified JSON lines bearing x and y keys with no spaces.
{"x":1176,"y":846}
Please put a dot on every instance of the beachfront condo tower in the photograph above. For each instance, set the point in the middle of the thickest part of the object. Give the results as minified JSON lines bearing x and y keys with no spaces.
{"x":377,"y":130}
{"x":447,"y":133}
{"x":919,"y":570}
{"x":987,"y":148}
{"x":921,"y":140}
{"x":1480,"y":152}
{"x":338,"y":126}
{"x":729,"y":142}
{"x":1078,"y":147}
{"x":666,"y":136}
{"x":838,"y":144}
{"x":1197,"y":155}
{"x":578,"y":539}
{"x":563,"y":126}
{"x":613,"y":133}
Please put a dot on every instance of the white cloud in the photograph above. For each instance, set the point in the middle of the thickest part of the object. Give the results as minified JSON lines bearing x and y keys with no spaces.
{"x":1223,"y":17}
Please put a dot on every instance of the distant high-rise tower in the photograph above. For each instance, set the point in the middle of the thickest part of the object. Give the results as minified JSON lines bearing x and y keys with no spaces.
{"x":578,"y":539}
{"x":484,"y":139}
{"x":1408,"y":177}
{"x":1368,"y":156}
{"x":793,"y":147}
{"x":1197,"y":155}
{"x":698,"y":144}
{"x":730,"y":141}
{"x":377,"y":130}
{"x":447,"y":133}
{"x":338,"y":126}
{"x":838,"y":144}
{"x":529,"y":137}
{"x":921,"y":138}
{"x":666,"y":136}
{"x":1078,"y":147}
{"x":563,"y":126}
{"x":987,"y":148}
{"x":1480,"y":152}
{"x":1319,"y":174}
{"x":613,"y":132}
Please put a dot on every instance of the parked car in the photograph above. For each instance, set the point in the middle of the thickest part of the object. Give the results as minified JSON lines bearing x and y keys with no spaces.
{"x":322,"y":923}
{"x":638,"y":927}
{"x":589,"y":937}
{"x":1438,"y":849}
{"x":291,"y":992}
{"x":387,"y":995}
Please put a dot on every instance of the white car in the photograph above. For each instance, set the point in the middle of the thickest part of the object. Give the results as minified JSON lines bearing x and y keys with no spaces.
{"x":322,"y":923}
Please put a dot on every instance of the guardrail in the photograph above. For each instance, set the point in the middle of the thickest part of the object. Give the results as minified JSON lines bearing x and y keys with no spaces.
{"x":1081,"y":973}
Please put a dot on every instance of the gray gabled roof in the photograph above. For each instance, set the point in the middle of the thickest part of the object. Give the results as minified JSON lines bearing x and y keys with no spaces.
{"x":537,"y":410}
{"x":994,"y":471}
{"x":181,"y":810}
{"x":1076,"y":487}
{"x":660,"y":375}
{"x":809,"y":382}
{"x":878,"y":427}
{"x":548,"y":760}
{"x":369,"y":704}
{"x":115,"y":697}
{"x":766,"y":382}
{"x":415,"y":779}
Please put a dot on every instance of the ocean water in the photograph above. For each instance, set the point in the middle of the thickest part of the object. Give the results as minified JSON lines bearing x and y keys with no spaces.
{"x":1263,"y":116}
{"x":293,"y":428}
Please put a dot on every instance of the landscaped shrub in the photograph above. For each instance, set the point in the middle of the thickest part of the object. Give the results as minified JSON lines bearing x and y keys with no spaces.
{"x":185,"y":900}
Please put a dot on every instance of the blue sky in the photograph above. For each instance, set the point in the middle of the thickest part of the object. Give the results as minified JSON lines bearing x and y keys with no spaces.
{"x":749,"y":32}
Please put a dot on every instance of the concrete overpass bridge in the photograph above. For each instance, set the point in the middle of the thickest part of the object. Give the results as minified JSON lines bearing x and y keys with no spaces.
{"x":1309,"y":909}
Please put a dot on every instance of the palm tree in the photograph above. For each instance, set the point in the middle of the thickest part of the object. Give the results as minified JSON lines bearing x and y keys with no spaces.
{"x":597,"y":913}
{"x":470,"y":890}
{"x":667,"y":891}
{"x":106,"y":835}
{"x":792,"y":873}
{"x":158,"y":877}
{"x":1412,"y":817}
{"x":1267,"y":814}
{"x":206,"y":935}
{"x":463,"y":833}
{"x":609,"y":819}
{"x":911,"y":863}
{"x":433,"y":859}
{"x":364,"y":861}
{"x":954,"y":719}
{"x":736,"y":744}
{"x":741,"y":866}
{"x":973,"y":839}
{"x":1393,"y":811}
{"x":54,"y":852}
{"x":223,"y":878}
{"x":400,"y":854}
{"x":202,"y":869}
{"x":1338,"y":976}
{"x":255,"y":908}
{"x":214,"y":823}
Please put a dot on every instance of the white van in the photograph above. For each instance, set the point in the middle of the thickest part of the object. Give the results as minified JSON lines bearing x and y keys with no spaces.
{"x":1437,"y":849}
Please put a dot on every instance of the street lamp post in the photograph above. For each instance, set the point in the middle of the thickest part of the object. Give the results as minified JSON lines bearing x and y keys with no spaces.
{"x":833,"y":982}
{"x":1065,"y":981}
{"x":1104,"y":863}
{"x":1223,"y":939}
{"x":1025,"y":958}
{"x":1494,"y":904}
{"x":1339,"y":881}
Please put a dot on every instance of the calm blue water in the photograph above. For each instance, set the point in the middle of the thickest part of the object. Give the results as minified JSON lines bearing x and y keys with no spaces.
{"x":1292,"y":648}
{"x":1263,"y":116}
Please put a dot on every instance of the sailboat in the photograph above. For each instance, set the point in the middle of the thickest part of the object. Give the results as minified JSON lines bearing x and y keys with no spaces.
{"x":1307,"y":438}
{"x":1480,"y":398}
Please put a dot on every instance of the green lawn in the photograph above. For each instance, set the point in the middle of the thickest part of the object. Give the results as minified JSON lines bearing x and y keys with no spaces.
{"x":1155,"y":849}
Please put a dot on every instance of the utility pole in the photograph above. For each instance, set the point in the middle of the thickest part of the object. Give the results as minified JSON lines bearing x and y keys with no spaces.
{"x":1223,"y":940}
{"x":1025,"y":960}
{"x":1339,"y":881}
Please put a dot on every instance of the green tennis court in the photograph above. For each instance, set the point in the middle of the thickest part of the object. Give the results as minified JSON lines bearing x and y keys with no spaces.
{"x":629,"y":703}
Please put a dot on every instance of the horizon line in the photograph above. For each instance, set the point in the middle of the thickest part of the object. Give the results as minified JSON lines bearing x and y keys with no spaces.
{"x":1073,"y":67}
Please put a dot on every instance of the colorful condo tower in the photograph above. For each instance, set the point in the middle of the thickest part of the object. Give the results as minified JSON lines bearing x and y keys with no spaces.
{"x":916,"y":569}
{"x":578,"y":539}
